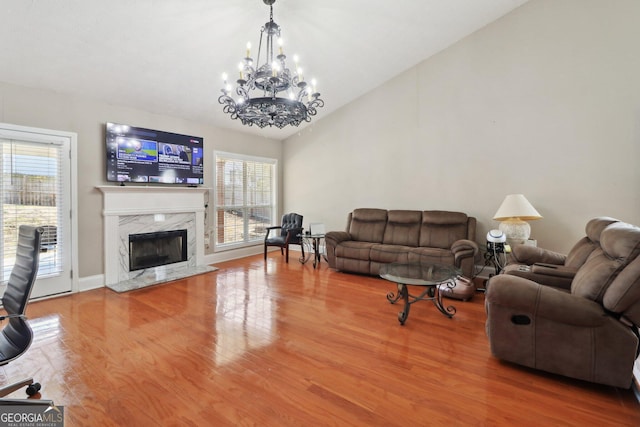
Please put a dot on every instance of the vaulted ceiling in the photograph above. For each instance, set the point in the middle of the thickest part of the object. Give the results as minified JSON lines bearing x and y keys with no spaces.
{"x":167,"y":56}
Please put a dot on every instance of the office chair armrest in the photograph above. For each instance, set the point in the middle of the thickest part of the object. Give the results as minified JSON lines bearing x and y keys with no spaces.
{"x":11,"y":316}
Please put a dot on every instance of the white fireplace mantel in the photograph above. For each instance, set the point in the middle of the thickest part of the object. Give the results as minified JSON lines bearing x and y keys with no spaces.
{"x":122,"y":200}
{"x":147,"y":207}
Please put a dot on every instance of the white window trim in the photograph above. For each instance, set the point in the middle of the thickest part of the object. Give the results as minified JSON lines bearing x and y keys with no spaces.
{"x":10,"y":131}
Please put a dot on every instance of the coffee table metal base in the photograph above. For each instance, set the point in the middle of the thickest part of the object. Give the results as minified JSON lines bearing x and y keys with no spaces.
{"x":430,"y":293}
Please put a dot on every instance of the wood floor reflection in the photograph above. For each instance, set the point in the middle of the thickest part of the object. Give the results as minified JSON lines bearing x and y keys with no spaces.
{"x":274,"y":344}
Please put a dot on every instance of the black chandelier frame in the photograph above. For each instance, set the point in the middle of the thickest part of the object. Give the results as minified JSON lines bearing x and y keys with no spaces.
{"x":272,"y":79}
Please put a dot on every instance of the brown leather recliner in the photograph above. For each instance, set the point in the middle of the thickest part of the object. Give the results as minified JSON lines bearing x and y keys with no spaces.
{"x":552,"y":268}
{"x":588,"y":333}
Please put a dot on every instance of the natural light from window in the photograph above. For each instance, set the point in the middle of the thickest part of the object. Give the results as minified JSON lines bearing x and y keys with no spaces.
{"x":244,"y":199}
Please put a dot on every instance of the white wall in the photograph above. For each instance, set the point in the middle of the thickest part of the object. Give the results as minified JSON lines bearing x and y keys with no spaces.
{"x":52,"y":110}
{"x":544,"y":102}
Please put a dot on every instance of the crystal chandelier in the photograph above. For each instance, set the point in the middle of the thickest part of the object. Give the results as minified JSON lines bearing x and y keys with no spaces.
{"x":280,"y":97}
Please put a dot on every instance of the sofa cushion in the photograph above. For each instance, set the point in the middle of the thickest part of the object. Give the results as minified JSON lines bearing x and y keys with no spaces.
{"x":389,"y":253}
{"x":440,"y":229}
{"x":403,"y":228}
{"x":431,"y":255}
{"x":367,"y":225}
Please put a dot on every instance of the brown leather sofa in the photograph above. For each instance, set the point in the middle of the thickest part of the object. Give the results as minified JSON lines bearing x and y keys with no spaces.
{"x":589,"y":332}
{"x":552,"y":268}
{"x":377,"y":236}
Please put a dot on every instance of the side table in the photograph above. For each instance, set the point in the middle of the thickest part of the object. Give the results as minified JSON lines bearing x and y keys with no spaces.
{"x":312,"y":241}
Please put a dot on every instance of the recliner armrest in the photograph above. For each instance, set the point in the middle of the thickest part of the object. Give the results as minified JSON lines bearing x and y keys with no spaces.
{"x":527,"y":298}
{"x":525,"y":254}
{"x":554,"y":270}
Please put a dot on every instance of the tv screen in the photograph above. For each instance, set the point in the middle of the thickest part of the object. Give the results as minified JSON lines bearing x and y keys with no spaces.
{"x":137,"y":154}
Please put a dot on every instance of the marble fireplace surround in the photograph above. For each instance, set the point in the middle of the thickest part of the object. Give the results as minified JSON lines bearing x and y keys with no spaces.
{"x":135,"y":209}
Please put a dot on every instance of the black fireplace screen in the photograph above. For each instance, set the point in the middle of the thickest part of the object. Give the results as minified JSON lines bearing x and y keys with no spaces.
{"x":148,"y":250}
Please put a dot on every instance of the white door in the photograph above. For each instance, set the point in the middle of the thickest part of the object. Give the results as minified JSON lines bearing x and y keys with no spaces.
{"x":35,"y":166}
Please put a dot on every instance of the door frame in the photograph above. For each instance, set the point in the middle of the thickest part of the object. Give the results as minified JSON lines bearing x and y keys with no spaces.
{"x":26,"y":133}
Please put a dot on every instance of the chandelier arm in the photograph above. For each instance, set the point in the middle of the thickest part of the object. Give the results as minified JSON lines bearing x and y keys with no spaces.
{"x":243,"y":92}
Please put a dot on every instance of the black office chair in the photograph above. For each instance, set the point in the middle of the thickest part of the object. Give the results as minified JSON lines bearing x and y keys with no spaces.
{"x":16,"y":336}
{"x":290,"y":234}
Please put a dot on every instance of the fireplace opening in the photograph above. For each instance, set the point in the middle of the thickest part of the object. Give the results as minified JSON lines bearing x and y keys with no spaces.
{"x":148,"y":250}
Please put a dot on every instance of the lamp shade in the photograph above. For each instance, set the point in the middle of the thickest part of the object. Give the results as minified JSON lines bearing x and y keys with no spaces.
{"x":516,"y":206}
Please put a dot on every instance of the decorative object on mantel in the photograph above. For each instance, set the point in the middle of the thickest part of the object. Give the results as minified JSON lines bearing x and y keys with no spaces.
{"x":298,"y":100}
{"x":514,"y":212}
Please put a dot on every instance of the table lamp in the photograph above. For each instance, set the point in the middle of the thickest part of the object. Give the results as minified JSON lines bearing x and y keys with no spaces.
{"x":514,"y":212}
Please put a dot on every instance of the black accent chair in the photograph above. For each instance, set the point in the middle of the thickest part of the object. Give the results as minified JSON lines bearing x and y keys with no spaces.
{"x":290,"y":234}
{"x":16,"y":336}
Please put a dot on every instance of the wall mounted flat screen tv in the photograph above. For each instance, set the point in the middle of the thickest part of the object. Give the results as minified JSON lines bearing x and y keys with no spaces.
{"x":137,"y":154}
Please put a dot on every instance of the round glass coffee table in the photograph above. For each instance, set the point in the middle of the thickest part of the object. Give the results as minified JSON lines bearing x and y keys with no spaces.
{"x":429,"y":276}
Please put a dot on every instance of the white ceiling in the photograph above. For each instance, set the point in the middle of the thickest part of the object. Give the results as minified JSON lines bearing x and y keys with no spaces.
{"x":167,"y":56}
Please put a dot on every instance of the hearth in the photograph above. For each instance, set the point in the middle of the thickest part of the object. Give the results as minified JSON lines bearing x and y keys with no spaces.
{"x":148,"y":250}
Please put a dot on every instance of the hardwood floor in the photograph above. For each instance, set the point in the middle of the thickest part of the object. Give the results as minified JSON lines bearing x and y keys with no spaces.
{"x":275,"y":344}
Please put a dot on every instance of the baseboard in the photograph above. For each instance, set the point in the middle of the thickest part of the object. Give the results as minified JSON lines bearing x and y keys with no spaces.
{"x":223,"y":256}
{"x":91,"y":282}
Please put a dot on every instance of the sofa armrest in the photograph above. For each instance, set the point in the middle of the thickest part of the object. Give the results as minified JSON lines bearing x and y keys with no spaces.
{"x":526,"y":298}
{"x":465,"y":246}
{"x":335,"y":237}
{"x":464,"y":255}
{"x":528,"y":255}
{"x":331,"y":240}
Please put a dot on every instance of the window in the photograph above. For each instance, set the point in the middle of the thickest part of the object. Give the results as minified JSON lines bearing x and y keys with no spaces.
{"x":244,"y":199}
{"x":30,"y":193}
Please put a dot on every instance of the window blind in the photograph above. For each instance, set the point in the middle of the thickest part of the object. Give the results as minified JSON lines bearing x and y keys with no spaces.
{"x":30,"y":194}
{"x":244,"y":198}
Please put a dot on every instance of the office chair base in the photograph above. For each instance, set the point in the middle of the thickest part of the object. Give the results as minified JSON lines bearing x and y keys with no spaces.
{"x":32,"y":388}
{"x":11,"y":402}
